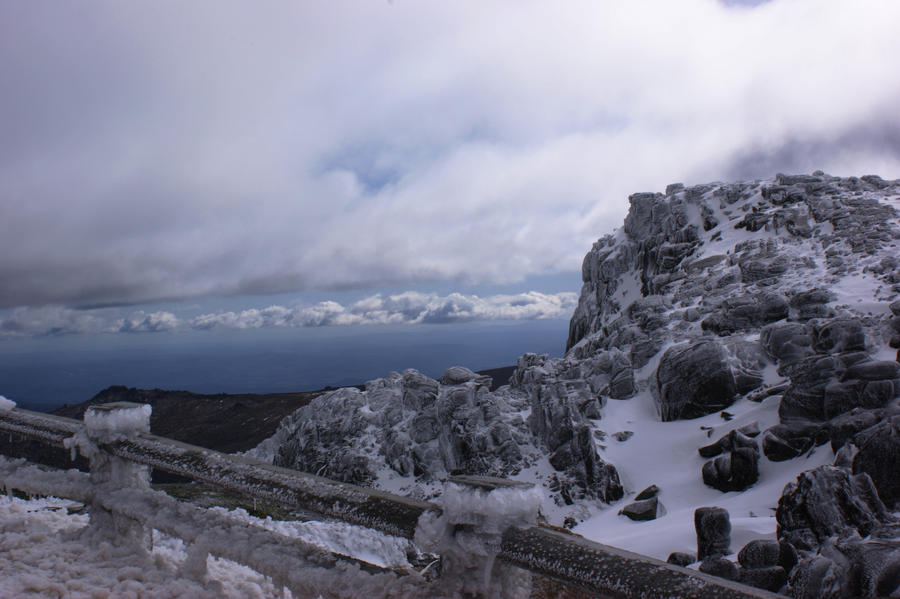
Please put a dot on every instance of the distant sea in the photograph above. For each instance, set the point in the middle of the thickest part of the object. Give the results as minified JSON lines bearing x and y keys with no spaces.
{"x":42,"y":374}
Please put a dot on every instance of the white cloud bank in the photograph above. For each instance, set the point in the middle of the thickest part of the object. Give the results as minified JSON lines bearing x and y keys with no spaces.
{"x":404,"y":308}
{"x":166,"y":150}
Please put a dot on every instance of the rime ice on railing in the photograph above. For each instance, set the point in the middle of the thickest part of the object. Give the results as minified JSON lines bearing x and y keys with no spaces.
{"x":484,"y":519}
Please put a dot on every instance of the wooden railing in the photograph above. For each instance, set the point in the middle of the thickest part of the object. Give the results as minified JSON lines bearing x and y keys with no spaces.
{"x":552,"y":556}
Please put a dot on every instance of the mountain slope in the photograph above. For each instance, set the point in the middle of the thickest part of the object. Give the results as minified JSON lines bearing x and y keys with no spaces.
{"x":756,"y":320}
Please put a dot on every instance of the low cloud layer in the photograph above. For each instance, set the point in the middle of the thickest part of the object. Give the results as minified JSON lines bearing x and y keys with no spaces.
{"x":161,"y":150}
{"x":405,"y":308}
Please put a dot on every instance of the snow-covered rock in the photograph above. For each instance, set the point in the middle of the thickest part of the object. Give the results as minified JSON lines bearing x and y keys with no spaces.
{"x":769,"y":305}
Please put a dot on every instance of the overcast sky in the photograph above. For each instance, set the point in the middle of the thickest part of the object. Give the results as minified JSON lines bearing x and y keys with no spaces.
{"x":169,"y":150}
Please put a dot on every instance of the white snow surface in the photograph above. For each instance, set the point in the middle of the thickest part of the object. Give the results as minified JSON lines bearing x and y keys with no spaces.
{"x":665,"y":454}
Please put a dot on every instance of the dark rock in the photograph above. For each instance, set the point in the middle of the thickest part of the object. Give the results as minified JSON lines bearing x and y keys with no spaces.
{"x":813,"y":296}
{"x":817,"y":577}
{"x":641,"y":510}
{"x":873,"y":371}
{"x":849,"y":567}
{"x":787,"y":556}
{"x":681,"y":558}
{"x":812,"y":304}
{"x":805,"y":397}
{"x":649,"y":492}
{"x":792,"y":439}
{"x":719,"y":566}
{"x":848,"y":394}
{"x":760,"y":553}
{"x":726,"y":416}
{"x":827,"y":501}
{"x":844,"y":457}
{"x":879,"y":458}
{"x":895,"y":308}
{"x":693,"y":380}
{"x":713,"y":527}
{"x":844,"y":427}
{"x":728,"y":442}
{"x":746,"y":312}
{"x":839,"y":335}
{"x":623,"y":435}
{"x":750,"y":430}
{"x":734,"y":471}
{"x":770,"y":578}
{"x":786,"y":342}
{"x":760,"y":270}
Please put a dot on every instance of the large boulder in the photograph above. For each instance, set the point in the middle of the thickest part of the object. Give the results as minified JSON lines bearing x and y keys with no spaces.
{"x":844,"y":427}
{"x":805,"y":397}
{"x":694,"y":379}
{"x":786,"y":342}
{"x":792,"y":439}
{"x":849,"y":567}
{"x":879,"y":458}
{"x":838,"y":335}
{"x":828,"y":501}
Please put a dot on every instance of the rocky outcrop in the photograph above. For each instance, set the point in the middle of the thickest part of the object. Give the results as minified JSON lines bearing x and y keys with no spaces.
{"x":879,"y":458}
{"x":783,"y":291}
{"x":849,"y":567}
{"x":828,"y":501}
{"x":409,"y":422}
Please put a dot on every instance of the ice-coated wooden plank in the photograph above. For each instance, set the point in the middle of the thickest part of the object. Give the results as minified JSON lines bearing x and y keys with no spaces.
{"x":611,"y":572}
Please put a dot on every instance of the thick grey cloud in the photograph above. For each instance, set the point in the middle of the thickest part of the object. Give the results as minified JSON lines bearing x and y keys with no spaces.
{"x":167,"y":150}
{"x":410,"y":307}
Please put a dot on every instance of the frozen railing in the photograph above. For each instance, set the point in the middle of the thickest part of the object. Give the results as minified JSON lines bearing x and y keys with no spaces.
{"x":484,"y":531}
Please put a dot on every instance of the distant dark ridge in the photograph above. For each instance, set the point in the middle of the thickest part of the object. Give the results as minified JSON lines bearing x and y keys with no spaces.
{"x":223,"y":422}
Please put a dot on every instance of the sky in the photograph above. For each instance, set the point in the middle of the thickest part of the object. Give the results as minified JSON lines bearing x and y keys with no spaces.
{"x":170,"y":166}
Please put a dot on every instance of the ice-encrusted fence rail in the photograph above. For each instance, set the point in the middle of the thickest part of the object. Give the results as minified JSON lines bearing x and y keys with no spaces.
{"x":484,"y":531}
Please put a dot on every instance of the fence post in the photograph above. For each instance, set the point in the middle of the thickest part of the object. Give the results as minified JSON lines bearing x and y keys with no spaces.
{"x":476,"y":510}
{"x":104,"y":423}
